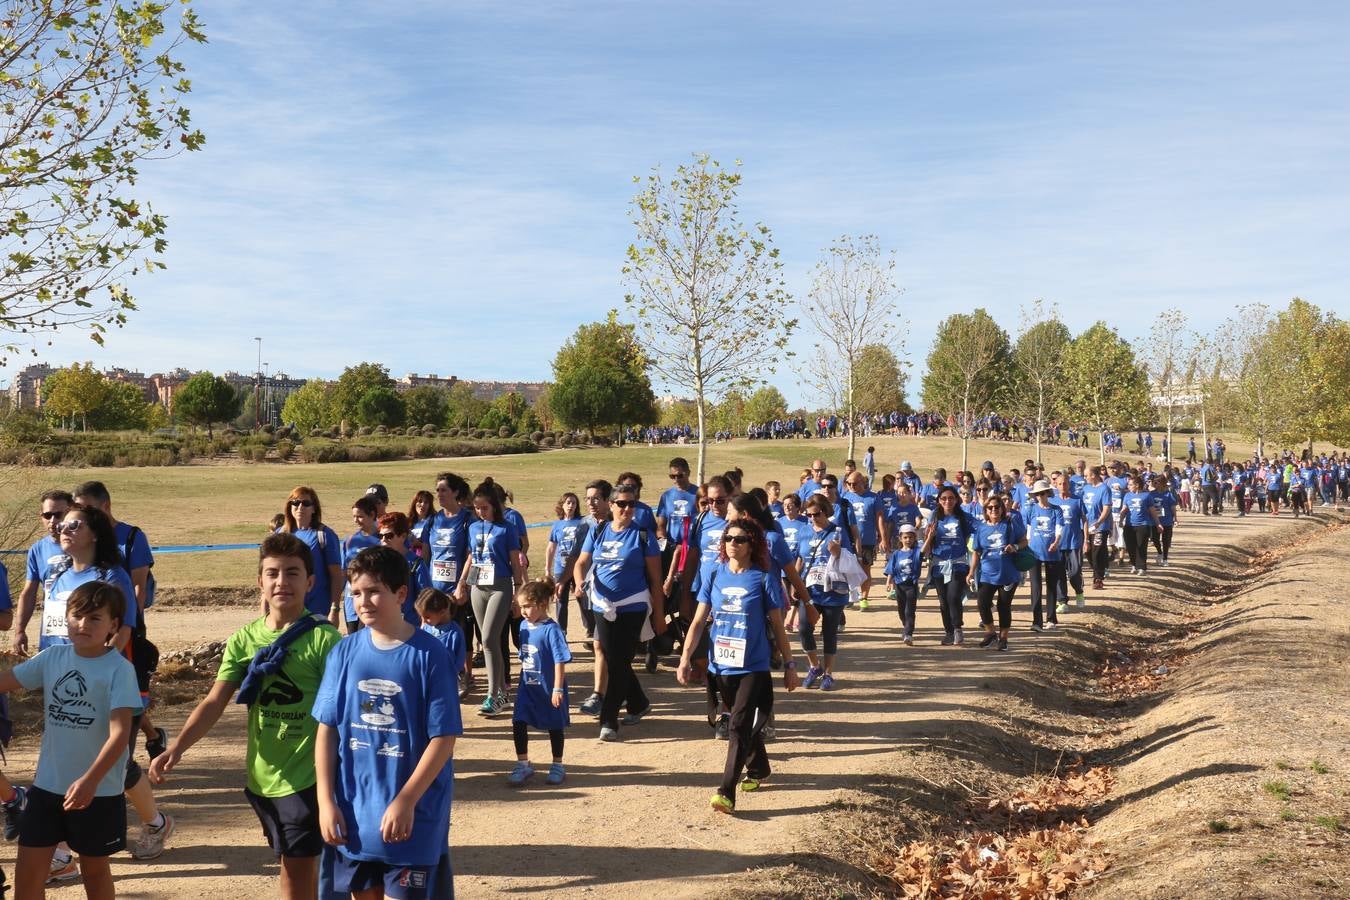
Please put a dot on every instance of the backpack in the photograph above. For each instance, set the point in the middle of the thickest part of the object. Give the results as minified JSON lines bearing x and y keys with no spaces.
{"x":126,"y":561}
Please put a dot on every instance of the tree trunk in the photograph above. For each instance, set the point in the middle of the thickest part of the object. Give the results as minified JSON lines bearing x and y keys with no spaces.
{"x":702,"y":438}
{"x":1168,"y":454}
{"x":1204,"y":430}
{"x":852,"y":438}
{"x":1101,"y":443}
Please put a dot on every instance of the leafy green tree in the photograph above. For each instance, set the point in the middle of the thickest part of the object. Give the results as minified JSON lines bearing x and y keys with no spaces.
{"x":1103,"y":384}
{"x":611,"y":348}
{"x":124,"y":408}
{"x":380,"y":406}
{"x":969,"y":372}
{"x":353,"y":384}
{"x":1038,"y":368}
{"x":879,"y":381}
{"x":426,"y":405}
{"x":309,"y":406}
{"x":90,"y":92}
{"x":765,"y":405}
{"x":708,"y":293}
{"x":463,"y":409}
{"x":677,"y":413}
{"x":75,"y":391}
{"x":205,"y":400}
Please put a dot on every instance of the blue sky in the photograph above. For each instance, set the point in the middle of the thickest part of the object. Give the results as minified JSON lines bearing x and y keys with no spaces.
{"x":444,"y":187}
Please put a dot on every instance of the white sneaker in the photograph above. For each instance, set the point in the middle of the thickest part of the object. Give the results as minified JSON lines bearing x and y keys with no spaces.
{"x":1082,"y":601}
{"x":150,"y":844}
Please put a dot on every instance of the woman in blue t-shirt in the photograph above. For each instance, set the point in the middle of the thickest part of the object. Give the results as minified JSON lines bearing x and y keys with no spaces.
{"x":624,"y":564}
{"x":1045,"y":535}
{"x":1165,"y":502}
{"x":495,"y":571}
{"x":949,"y":529}
{"x":89,"y":543}
{"x":741,"y":601}
{"x":816,"y":547}
{"x":564,"y":543}
{"x":1141,"y":517}
{"x":997,"y":538}
{"x":304,"y":519}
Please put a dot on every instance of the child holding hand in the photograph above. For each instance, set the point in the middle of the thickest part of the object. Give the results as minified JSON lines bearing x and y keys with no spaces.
{"x":541,"y":698}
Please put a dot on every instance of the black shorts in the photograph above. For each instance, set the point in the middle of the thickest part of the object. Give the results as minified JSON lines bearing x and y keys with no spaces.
{"x":290,"y":822}
{"x":399,"y":882}
{"x":98,"y":830}
{"x":867,"y":554}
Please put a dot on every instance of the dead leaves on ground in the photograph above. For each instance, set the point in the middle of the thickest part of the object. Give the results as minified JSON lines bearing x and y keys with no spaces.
{"x":1125,"y":677}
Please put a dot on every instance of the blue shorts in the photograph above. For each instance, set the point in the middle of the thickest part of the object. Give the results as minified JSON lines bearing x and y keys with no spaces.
{"x":399,"y":882}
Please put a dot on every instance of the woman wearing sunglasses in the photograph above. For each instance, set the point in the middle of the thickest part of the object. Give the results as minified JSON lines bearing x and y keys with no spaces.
{"x":89,"y":542}
{"x":395,"y":531}
{"x":948,"y":530}
{"x":304,"y":519}
{"x":997,"y":538}
{"x":816,"y":546}
{"x":741,"y":601}
{"x":628,"y":602}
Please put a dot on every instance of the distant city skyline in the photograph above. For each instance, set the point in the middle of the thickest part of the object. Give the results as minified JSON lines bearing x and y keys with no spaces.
{"x":445,"y":187}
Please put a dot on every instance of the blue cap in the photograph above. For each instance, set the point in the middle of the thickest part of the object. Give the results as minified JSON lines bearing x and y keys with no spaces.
{"x":988,"y":464}
{"x":905,"y":465}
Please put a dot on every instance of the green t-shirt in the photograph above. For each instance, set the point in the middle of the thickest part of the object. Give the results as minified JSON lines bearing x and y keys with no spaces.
{"x":281,"y":731}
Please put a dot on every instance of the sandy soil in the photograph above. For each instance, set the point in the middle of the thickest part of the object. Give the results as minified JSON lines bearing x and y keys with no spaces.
{"x":633,"y":816}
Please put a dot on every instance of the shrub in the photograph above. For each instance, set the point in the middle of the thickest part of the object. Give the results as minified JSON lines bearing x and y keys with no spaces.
{"x":546,"y":442}
{"x":380,"y":429}
{"x":257,"y":454}
{"x":505,"y":431}
{"x":363,"y":431}
{"x":536,"y":436}
{"x":268,"y":429}
{"x":285,"y":449}
{"x":121,"y":460}
{"x":428,"y":430}
{"x":100,"y":456}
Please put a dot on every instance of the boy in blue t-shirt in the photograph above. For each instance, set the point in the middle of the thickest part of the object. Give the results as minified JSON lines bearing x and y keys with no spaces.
{"x":388,"y":717}
{"x":89,"y":697}
{"x":902,"y":578}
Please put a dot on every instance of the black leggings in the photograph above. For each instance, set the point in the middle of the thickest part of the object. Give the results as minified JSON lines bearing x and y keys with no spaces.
{"x":1045,"y":575}
{"x":750,"y":697}
{"x":949,"y":600}
{"x":1099,"y":553}
{"x":986,"y":603}
{"x":907,"y":601}
{"x":619,"y":641}
{"x":1136,"y":544}
{"x":830,"y":617}
{"x":520,"y":732}
{"x":1166,"y":541}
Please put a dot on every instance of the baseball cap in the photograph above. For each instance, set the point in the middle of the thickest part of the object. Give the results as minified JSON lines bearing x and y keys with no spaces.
{"x":907,"y":529}
{"x":906,"y":467}
{"x":379,"y":492}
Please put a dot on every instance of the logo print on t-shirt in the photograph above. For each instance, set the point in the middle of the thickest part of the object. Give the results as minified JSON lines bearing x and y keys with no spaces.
{"x":610,"y":549}
{"x":733,"y":599}
{"x":280,"y":691}
{"x":375,"y":707}
{"x":69,"y":706}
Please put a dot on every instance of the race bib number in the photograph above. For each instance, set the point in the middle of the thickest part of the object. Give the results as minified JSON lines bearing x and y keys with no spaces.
{"x":54,"y":617}
{"x":487,"y":573}
{"x":815,"y":577}
{"x":729,"y":652}
{"x":444,"y":570}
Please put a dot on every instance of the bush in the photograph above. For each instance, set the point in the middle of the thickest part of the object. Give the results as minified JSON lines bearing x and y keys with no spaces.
{"x":428,"y":430}
{"x":536,"y":436}
{"x":380,"y":429}
{"x":268,"y":429}
{"x":363,"y":431}
{"x":257,"y":454}
{"x":285,"y":449}
{"x":546,"y":442}
{"x":505,"y":431}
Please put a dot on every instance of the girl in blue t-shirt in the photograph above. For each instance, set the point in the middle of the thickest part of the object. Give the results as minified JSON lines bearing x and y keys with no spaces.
{"x":495,"y":569}
{"x":948,"y":533}
{"x":902,"y":578}
{"x":1141,"y":517}
{"x":816,"y":547}
{"x":997,"y":538}
{"x":91,"y":554}
{"x":1165,"y":502}
{"x":564,"y":545}
{"x":541,"y":698}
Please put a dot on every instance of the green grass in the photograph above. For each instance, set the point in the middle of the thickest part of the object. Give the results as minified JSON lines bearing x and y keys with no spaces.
{"x":1318,"y":768}
{"x":1331,"y":823}
{"x":1287,"y":815}
{"x":1220,"y":826}
{"x":1282,"y":765}
{"x":1277,"y":789}
{"x":227,"y":503}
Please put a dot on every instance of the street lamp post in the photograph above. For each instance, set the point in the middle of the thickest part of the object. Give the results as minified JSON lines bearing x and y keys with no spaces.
{"x":257,"y":389}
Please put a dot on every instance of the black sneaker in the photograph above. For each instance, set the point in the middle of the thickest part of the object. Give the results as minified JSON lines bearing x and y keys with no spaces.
{"x":156,"y":745}
{"x":1003,"y":643}
{"x":651,"y":659}
{"x":722,"y":731}
{"x":478,"y":660}
{"x":988,"y":639}
{"x":13,"y":809}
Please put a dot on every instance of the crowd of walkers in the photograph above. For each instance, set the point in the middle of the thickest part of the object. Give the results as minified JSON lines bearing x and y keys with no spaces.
{"x":367,"y":646}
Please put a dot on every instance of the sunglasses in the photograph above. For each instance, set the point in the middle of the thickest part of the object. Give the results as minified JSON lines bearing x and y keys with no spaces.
{"x":70,"y":527}
{"x":304,"y":503}
{"x":53,"y":515}
{"x":737,"y":539}
{"x":624,"y":504}
{"x":720,"y":501}
{"x":389,"y":536}
{"x":676,"y":476}
{"x":819,"y":513}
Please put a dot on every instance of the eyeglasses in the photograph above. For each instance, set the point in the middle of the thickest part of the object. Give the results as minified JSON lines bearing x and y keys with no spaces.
{"x":737,"y":539}
{"x":298,"y":502}
{"x":389,"y":536}
{"x":70,"y":527}
{"x":820,"y":513}
{"x":719,"y":501}
{"x":624,"y":504}
{"x":822,"y":469}
{"x":53,"y":515}
{"x":676,"y":476}
{"x":594,"y":500}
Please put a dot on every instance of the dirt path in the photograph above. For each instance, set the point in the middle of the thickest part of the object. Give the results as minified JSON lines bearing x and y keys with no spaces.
{"x":634,"y":816}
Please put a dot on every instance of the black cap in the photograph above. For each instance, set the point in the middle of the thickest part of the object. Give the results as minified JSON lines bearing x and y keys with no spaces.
{"x":379,"y":492}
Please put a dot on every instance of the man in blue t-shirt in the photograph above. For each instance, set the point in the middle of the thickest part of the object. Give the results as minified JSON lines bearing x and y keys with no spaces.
{"x":812,"y":484}
{"x":674,"y":510}
{"x":42,"y":556}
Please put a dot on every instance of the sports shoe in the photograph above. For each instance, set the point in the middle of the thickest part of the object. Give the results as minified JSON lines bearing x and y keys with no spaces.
{"x":12,"y":811}
{"x":908,"y":639}
{"x":1134,"y":570}
{"x":608,"y":735}
{"x":150,"y":845}
{"x":946,"y":640}
{"x":1080,"y":601}
{"x":478,"y":660}
{"x":591,"y":705}
{"x":750,"y":784}
{"x":958,"y":637}
{"x":64,"y":869}
{"x":722,"y":804}
{"x":1098,"y":585}
{"x":812,"y":676}
{"x":1051,"y":626}
{"x":768,"y":732}
{"x":1036,"y":628}
{"x":522,"y":773}
{"x":634,"y":718}
{"x":465,"y":685}
{"x":651,"y":662}
{"x":156,"y":745}
{"x":1061,"y":608}
{"x":1003,"y":643}
{"x":722,"y":730}
{"x":556,"y":774}
{"x":988,"y":639}
{"x":827,"y":683}
{"x":490,"y":708}
{"x":863,"y":604}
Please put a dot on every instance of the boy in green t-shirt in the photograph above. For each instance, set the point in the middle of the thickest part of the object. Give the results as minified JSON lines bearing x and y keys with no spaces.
{"x":279,"y":685}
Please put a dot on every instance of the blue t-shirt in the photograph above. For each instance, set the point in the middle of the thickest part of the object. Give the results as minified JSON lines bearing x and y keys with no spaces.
{"x":865,"y":514}
{"x":448,"y":538}
{"x":327,"y":551}
{"x":738,"y":627}
{"x":542,"y":647}
{"x":677,"y":507}
{"x":950,"y":536}
{"x":516,"y":522}
{"x":1071,"y":509}
{"x":1096,"y":499}
{"x":419,"y":578}
{"x":386,"y":706}
{"x":350,"y":547}
{"x":140,"y":556}
{"x":807,"y":489}
{"x":707,"y":538}
{"x":1117,"y":485}
{"x":813,"y":548}
{"x":42,"y":556}
{"x":5,"y":602}
{"x":451,"y":637}
{"x":906,"y":514}
{"x":53,"y":628}
{"x":1137,"y":506}
{"x":78,"y":696}
{"x":792,"y":532}
{"x":619,"y":562}
{"x":903,"y":566}
{"x":997,"y":567}
{"x":1044,"y":525}
{"x":492,"y":543}
{"x":563,"y":536}
{"x":1166,"y":504}
{"x":1076,"y":485}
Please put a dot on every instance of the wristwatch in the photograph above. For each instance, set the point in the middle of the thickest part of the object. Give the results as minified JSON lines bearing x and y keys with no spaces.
{"x":790,"y":664}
